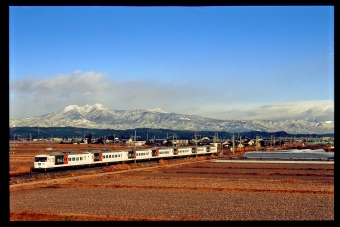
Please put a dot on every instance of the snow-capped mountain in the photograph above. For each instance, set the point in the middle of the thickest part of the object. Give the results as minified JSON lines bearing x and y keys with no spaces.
{"x":101,"y":117}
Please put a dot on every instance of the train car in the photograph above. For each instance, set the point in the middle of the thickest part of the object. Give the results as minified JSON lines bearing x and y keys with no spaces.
{"x":108,"y":157}
{"x":199,"y":149}
{"x":210,"y":149}
{"x":138,"y":154}
{"x":182,"y":151}
{"x":162,"y":152}
{"x":61,"y":160}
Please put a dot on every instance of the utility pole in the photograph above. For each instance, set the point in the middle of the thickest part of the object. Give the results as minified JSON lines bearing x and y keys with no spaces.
{"x":257,"y":140}
{"x":222,"y":147}
{"x":135,"y":147}
{"x":172,"y":144}
{"x":233,"y":144}
{"x":196,"y":144}
{"x":271,"y":141}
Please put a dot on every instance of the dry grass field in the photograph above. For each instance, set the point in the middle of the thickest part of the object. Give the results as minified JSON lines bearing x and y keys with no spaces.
{"x":191,"y":190}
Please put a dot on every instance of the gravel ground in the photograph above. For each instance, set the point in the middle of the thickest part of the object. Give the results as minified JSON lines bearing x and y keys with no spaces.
{"x":203,"y":191}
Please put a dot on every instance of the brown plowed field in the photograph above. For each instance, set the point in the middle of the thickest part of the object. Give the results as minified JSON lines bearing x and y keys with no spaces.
{"x":194,"y":190}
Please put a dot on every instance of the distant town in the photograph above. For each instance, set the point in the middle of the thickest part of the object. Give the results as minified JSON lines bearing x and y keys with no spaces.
{"x":163,"y":137}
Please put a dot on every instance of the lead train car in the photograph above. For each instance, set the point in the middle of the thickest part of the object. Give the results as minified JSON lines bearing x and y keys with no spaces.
{"x":62,"y":160}
{"x":69,"y":160}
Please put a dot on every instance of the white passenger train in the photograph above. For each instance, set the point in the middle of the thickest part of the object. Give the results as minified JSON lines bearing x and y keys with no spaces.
{"x":68,"y":159}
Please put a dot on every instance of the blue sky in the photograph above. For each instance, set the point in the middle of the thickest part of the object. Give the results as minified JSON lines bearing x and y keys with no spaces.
{"x":225,"y":62}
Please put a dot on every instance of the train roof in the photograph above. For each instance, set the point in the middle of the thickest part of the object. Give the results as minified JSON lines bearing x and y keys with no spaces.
{"x":43,"y":155}
{"x":132,"y":149}
{"x":104,"y":151}
{"x":154,"y":148}
{"x":63,"y":152}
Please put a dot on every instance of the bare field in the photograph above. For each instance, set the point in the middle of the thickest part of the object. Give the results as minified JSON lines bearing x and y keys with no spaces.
{"x":191,"y":191}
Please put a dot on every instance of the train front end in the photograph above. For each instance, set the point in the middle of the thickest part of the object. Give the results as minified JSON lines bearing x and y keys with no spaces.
{"x":43,"y":162}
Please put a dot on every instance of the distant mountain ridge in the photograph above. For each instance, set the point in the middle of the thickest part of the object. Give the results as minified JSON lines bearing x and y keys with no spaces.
{"x":100,"y":117}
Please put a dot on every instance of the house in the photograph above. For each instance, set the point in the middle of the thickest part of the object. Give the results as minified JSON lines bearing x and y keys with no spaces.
{"x":132,"y":142}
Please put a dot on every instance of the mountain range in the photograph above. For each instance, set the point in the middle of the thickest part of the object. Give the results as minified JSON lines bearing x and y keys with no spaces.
{"x":100,"y":117}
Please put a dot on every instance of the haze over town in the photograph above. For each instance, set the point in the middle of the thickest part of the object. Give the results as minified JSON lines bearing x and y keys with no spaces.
{"x":223,"y":62}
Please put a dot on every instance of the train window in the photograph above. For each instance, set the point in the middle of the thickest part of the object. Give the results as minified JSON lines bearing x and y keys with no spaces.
{"x":73,"y":159}
{"x":52,"y":159}
{"x":77,"y":159}
{"x":40,"y":159}
{"x":84,"y":157}
{"x":69,"y":159}
{"x":81,"y":158}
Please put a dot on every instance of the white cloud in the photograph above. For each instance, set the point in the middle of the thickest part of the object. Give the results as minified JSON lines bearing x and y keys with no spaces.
{"x":33,"y":97}
{"x":320,"y":109}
